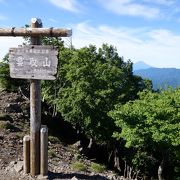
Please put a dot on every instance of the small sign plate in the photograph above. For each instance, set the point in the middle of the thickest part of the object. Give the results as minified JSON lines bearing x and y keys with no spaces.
{"x":33,"y":62}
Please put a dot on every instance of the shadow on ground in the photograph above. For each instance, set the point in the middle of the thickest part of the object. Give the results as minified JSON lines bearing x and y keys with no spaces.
{"x":52,"y":175}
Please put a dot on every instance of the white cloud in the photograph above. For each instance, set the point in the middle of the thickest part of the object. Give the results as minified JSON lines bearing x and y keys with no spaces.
{"x":165,"y":37}
{"x":8,"y":42}
{"x":131,"y":8}
{"x":162,"y":2}
{"x":158,"y":47}
{"x":70,"y":5}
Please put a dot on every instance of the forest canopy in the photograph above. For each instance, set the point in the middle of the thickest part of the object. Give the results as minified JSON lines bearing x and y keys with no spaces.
{"x":98,"y":94}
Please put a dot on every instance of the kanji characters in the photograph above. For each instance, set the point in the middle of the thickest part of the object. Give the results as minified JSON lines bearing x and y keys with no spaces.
{"x":19,"y":61}
{"x":33,"y":62}
{"x":46,"y":63}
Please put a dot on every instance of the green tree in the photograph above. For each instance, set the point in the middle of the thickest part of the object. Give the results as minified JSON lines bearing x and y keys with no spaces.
{"x":151,"y":127}
{"x":6,"y":82}
{"x":89,"y":83}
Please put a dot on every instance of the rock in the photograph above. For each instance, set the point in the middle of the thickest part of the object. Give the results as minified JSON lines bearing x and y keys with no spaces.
{"x":1,"y":137}
{"x":122,"y":178}
{"x":41,"y":177}
{"x":113,"y":177}
{"x":20,"y":141}
{"x":19,"y":166}
{"x":74,"y":178}
{"x":81,"y":149}
{"x":92,"y":173}
{"x":77,"y":145}
{"x":12,"y":163}
{"x":12,"y":107}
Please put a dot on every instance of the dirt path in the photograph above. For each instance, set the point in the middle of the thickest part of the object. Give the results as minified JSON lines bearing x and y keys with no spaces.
{"x":14,"y":124}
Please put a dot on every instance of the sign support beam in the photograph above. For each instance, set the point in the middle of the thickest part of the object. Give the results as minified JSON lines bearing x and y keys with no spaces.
{"x":24,"y":63}
{"x":35,"y":112}
{"x":36,"y":32}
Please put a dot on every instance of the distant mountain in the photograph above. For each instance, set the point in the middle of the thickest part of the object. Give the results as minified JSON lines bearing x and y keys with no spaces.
{"x":140,"y":65}
{"x":161,"y":77}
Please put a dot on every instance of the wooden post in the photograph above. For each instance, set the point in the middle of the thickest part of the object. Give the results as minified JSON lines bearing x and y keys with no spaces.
{"x":23,"y":59}
{"x":44,"y":151}
{"x":26,"y":153}
{"x":35,"y":112}
{"x":35,"y":32}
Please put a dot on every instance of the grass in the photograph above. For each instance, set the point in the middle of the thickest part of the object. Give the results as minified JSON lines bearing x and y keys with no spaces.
{"x":51,"y":153}
{"x":5,"y":117}
{"x":77,"y":156}
{"x":20,"y":135}
{"x":6,"y":125}
{"x":79,"y":166}
{"x":98,"y":168}
{"x":53,"y":139}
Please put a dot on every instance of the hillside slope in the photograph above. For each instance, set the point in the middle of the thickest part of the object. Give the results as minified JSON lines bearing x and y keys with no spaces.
{"x":14,"y":124}
{"x":161,"y":77}
{"x":140,"y":65}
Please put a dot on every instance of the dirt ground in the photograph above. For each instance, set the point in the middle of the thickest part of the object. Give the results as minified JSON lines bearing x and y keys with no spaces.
{"x":14,"y":124}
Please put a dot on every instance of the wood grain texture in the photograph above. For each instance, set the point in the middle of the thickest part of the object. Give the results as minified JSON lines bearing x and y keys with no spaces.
{"x":35,"y":115}
{"x":26,"y":153}
{"x":33,"y":62}
{"x":36,"y":32}
{"x":44,"y":150}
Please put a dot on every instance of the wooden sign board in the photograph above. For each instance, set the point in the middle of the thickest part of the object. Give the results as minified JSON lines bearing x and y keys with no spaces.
{"x":33,"y":62}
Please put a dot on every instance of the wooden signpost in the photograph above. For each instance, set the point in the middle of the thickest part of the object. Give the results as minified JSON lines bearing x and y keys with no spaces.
{"x":35,"y":112}
{"x":35,"y":62}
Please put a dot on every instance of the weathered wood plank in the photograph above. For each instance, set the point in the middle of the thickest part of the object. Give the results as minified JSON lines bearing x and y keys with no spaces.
{"x":26,"y":153}
{"x":44,"y":150}
{"x":36,"y":32}
{"x":33,"y":62}
{"x":35,"y":114}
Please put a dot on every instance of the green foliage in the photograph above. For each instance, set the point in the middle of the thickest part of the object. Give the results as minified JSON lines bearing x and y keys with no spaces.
{"x":89,"y":83}
{"x":51,"y":153}
{"x":151,"y":126}
{"x":77,"y":156}
{"x":6,"y":125}
{"x":154,"y":115}
{"x":56,"y":42}
{"x":98,"y":168}
{"x":20,"y":135}
{"x":6,"y":82}
{"x":53,"y":139}
{"x":79,"y":166}
{"x":5,"y":117}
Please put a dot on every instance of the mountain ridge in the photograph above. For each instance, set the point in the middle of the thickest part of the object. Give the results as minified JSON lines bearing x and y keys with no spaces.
{"x":140,"y":65}
{"x":161,"y":77}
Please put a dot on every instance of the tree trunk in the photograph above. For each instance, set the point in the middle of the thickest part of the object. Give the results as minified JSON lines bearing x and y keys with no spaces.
{"x":160,"y":170}
{"x":90,"y":143}
{"x":116,"y":160}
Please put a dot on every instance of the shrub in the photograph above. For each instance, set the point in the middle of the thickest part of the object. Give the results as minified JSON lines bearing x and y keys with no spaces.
{"x":8,"y":83}
{"x":97,"y":167}
{"x":6,"y":125}
{"x":5,"y":117}
{"x":79,"y":166}
{"x":77,"y":156}
{"x":51,"y":153}
{"x":53,"y":139}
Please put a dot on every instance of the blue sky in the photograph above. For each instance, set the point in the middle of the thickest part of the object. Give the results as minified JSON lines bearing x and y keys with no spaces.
{"x":141,"y":30}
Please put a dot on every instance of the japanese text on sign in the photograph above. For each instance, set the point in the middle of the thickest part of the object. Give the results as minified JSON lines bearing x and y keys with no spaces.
{"x":33,"y":62}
